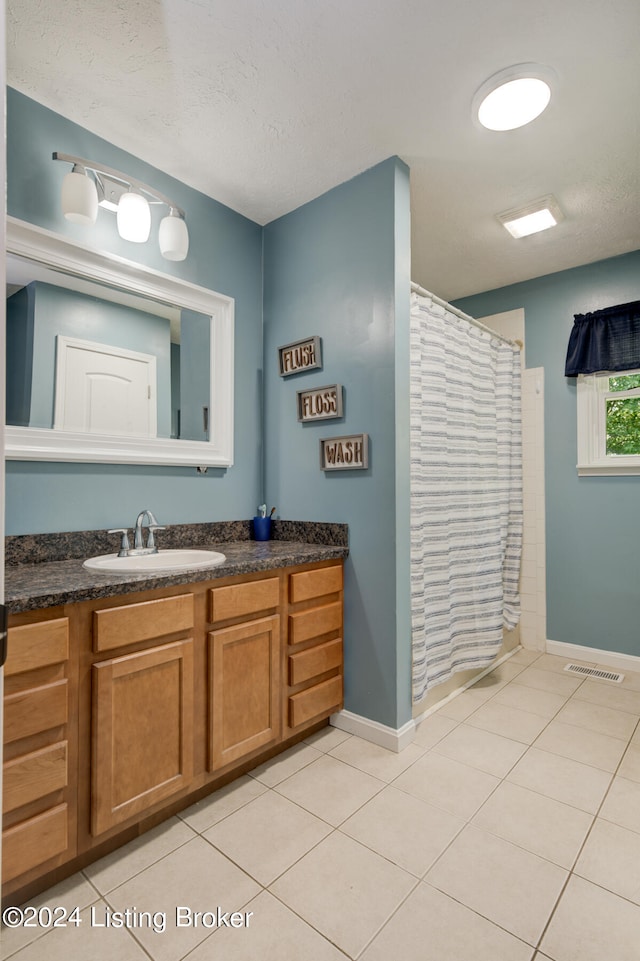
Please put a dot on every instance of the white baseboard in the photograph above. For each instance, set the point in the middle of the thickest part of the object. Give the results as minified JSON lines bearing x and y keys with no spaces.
{"x":393,"y":739}
{"x":593,"y":655}
{"x":396,"y":739}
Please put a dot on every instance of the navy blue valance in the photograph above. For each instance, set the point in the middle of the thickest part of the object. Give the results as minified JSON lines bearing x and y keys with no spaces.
{"x":606,"y":339}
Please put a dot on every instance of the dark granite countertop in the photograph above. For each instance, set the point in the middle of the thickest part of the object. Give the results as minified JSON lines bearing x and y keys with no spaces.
{"x":48,"y":582}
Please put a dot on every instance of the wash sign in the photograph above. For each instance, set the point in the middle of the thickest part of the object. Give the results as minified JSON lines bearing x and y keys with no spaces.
{"x":350,"y":452}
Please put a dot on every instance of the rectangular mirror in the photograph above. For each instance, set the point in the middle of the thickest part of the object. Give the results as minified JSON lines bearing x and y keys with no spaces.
{"x":109,"y":361}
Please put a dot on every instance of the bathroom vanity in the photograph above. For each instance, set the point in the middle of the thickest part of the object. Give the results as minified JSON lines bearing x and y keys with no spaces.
{"x":127,"y":701}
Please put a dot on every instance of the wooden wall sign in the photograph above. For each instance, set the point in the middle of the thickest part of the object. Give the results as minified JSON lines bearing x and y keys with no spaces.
{"x":300,"y":356}
{"x":350,"y":452}
{"x":320,"y":403}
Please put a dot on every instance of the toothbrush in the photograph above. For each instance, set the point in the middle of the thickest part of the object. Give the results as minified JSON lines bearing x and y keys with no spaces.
{"x":273,"y":510}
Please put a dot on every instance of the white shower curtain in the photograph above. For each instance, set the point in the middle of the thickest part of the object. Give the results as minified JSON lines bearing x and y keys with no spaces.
{"x":466,"y":493}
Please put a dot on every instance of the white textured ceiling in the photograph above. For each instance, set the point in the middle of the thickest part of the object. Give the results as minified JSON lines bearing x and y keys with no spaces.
{"x":265,"y":104}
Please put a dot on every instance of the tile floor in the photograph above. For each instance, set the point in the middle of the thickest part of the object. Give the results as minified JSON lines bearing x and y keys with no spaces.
{"x":508,"y":831}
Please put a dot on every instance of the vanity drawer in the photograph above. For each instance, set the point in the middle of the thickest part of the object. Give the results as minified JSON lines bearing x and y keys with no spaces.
{"x":323,"y":698}
{"x":122,"y":626}
{"x":315,"y":622}
{"x":37,"y":645}
{"x":35,"y":710}
{"x":32,"y":842}
{"x":314,"y":661}
{"x":34,"y":775}
{"x":242,"y":600}
{"x":308,"y":584}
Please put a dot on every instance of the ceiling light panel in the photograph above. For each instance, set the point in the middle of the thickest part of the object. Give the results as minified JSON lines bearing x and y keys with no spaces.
{"x":531,"y":219}
{"x":513,"y":97}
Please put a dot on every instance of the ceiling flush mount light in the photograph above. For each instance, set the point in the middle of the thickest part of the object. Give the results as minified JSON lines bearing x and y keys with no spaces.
{"x":513,"y":97}
{"x":534,"y":217}
{"x":90,"y":185}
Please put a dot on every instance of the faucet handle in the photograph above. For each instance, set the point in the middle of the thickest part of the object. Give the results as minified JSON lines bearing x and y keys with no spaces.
{"x":151,"y":539}
{"x":125,"y":546}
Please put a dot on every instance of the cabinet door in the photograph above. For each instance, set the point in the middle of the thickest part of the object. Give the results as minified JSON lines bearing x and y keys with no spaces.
{"x":142,"y":732}
{"x":244,"y":689}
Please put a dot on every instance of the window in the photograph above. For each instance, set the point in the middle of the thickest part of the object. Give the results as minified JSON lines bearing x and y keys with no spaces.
{"x":609,"y":423}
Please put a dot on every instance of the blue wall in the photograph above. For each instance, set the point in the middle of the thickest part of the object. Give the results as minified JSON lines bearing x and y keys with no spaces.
{"x":338,"y":267}
{"x":225,"y":255}
{"x":592,"y":523}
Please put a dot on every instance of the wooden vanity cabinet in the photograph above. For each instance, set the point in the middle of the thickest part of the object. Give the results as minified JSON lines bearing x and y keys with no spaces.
{"x":313,"y":687}
{"x":121,"y":711}
{"x":244,"y":669}
{"x":142,"y":707}
{"x":40,"y":747}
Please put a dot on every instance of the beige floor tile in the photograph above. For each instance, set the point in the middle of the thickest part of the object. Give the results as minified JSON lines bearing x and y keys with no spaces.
{"x":539,"y":824}
{"x":330,"y":789}
{"x":430,"y":926}
{"x":284,"y":765}
{"x":405,"y":830}
{"x":545,"y":703}
{"x":376,"y":760}
{"x":603,"y":720}
{"x":524,"y":656}
{"x":591,"y":924}
{"x":116,"y":868}
{"x":622,"y":804}
{"x":204,"y":814}
{"x":483,"y":750}
{"x":552,"y":681}
{"x":610,"y":858}
{"x":631,"y":680}
{"x":274,"y":933}
{"x":610,"y":695}
{"x":561,"y":778}
{"x":508,"y":721}
{"x":344,"y":890}
{"x":267,"y":836}
{"x":84,"y":941}
{"x":460,"y":707}
{"x":505,"y":884}
{"x":327,"y":738}
{"x":433,"y":729}
{"x":582,"y":744}
{"x":447,"y":784}
{"x":551,"y":662}
{"x":630,"y":766}
{"x":74,"y":892}
{"x":197,"y":877}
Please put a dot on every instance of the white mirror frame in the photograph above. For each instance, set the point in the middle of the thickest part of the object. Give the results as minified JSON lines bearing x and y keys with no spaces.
{"x":42,"y":444}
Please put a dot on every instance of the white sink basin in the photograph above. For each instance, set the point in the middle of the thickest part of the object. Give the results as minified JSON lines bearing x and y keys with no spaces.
{"x":169,"y":560}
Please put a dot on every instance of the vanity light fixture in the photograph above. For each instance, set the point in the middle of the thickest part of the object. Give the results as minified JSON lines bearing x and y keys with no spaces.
{"x":538,"y":215}
{"x":513,"y":97}
{"x":90,"y":185}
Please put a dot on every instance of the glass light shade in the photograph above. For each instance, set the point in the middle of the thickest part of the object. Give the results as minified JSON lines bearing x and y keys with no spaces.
{"x":514,"y":104}
{"x":79,"y":197}
{"x":134,"y":218}
{"x":531,"y":223}
{"x":173,"y":237}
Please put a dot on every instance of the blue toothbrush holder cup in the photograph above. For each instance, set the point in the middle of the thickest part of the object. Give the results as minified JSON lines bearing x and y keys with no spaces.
{"x":262,"y":528}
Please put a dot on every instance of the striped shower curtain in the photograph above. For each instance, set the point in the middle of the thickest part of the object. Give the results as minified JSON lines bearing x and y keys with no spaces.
{"x":466,"y":493}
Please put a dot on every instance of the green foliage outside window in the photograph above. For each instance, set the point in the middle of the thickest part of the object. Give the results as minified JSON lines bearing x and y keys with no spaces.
{"x":626,"y":382}
{"x":623,"y":423}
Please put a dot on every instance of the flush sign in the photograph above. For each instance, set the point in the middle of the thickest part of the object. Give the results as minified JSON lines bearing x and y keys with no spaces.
{"x":350,"y":452}
{"x":300,"y":356}
{"x":320,"y":403}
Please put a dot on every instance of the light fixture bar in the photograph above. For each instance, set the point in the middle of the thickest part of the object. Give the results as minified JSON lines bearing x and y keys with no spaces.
{"x":131,"y":182}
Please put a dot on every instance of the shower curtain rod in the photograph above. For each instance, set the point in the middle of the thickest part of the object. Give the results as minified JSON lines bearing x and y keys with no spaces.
{"x":417,"y":289}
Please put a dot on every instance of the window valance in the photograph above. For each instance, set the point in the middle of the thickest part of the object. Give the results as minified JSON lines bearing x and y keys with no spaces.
{"x":606,"y":339}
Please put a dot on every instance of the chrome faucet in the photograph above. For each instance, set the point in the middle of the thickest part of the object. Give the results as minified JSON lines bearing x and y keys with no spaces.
{"x":138,"y":542}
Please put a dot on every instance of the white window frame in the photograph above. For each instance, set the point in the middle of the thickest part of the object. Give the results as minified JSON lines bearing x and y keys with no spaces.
{"x":592,"y":397}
